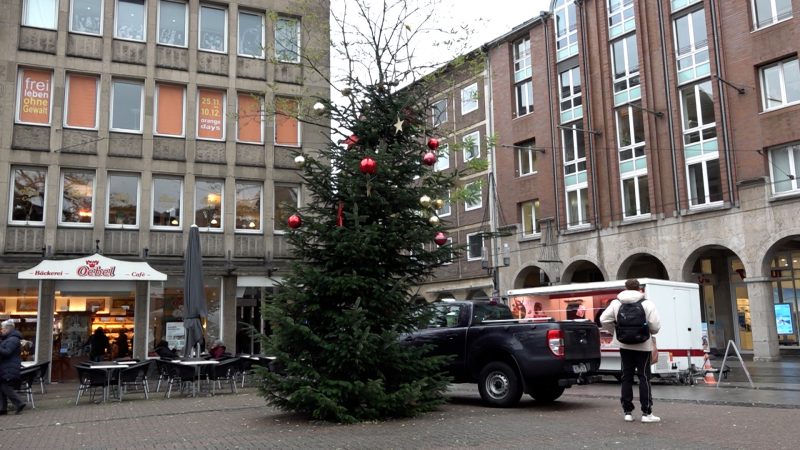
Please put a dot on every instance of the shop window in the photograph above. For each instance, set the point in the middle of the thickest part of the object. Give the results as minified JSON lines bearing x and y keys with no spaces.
{"x":34,"y":95}
{"x":81,"y":104}
{"x":287,"y":40}
{"x":28,"y":196}
{"x":473,"y":196}
{"x":287,"y":198}
{"x":471,"y":146}
{"x":691,"y":46}
{"x":474,"y":246}
{"x":86,"y":17}
{"x":40,"y":13}
{"x":77,"y":199}
{"x":130,"y":20}
{"x":167,"y":312}
{"x":530,"y":218}
{"x":445,"y":210}
{"x":469,"y":98}
{"x":208,"y":204}
{"x":439,"y":112}
{"x":570,"y":95}
{"x":626,"y":70}
{"x":287,"y":125}
{"x":172,"y":23}
{"x":523,"y":85}
{"x":768,"y":12}
{"x":167,"y":199}
{"x":211,"y":114}
{"x":566,"y":29}
{"x":780,"y":84}
{"x":443,"y":158}
{"x":170,"y":107}
{"x":248,"y":207}
{"x":213,"y":35}
{"x":127,"y":105}
{"x":250,"y":118}
{"x":251,"y":34}
{"x":784,"y":169}
{"x":123,"y":200}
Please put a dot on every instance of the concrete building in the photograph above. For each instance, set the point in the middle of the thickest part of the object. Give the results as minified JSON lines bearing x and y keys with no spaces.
{"x":656,"y":139}
{"x":128,"y":121}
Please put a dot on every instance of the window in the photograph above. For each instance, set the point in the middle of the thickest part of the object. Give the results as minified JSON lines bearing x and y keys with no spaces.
{"x":632,"y":162}
{"x":287,"y":198}
{"x":77,"y":199}
{"x":469,"y":98}
{"x":123,"y":200}
{"x":287,"y":40}
{"x":621,"y":17}
{"x":167,"y":199}
{"x":699,"y":124}
{"x":170,"y":107}
{"x":566,"y":29}
{"x":443,"y":160}
{"x":705,"y":184}
{"x":213,"y":35}
{"x":127,"y":98}
{"x":768,"y":12}
{"x":526,"y":158}
{"x":570,"y":95}
{"x":523,"y":85}
{"x":473,"y":193}
{"x":474,"y":246}
{"x":784,"y":169}
{"x":439,"y":112}
{"x":208,"y":204}
{"x":472,"y":146}
{"x":780,"y":84}
{"x":86,"y":16}
{"x":447,"y":259}
{"x":81,"y":104}
{"x":691,"y":46}
{"x":130,"y":20}
{"x":172,"y":23}
{"x":679,"y":4}
{"x":626,"y":70}
{"x":40,"y":13}
{"x":287,"y":127}
{"x":34,"y":92}
{"x":575,"y":175}
{"x":28,"y":196}
{"x":530,"y":218}
{"x":635,"y":196}
{"x":250,"y":119}
{"x":251,"y":34}
{"x":445,"y":210}
{"x":578,"y":207}
{"x":248,"y":207}
{"x":210,"y":114}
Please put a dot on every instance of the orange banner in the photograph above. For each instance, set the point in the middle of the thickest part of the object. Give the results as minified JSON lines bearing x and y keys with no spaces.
{"x":286,"y":125}
{"x":170,"y":110}
{"x":210,"y":114}
{"x":34,"y":96}
{"x":82,"y":101}
{"x":249,"y":119}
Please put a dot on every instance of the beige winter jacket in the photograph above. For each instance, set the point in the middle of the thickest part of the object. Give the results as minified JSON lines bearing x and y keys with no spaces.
{"x":609,"y":319}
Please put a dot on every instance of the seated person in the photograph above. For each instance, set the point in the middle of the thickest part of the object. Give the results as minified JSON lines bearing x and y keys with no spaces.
{"x":217,"y":350}
{"x":162,"y":349}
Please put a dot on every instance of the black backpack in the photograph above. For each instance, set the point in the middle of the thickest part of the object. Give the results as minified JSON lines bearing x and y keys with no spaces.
{"x":632,"y":327}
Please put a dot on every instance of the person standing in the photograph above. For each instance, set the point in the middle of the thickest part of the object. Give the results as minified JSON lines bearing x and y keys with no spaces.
{"x":633,"y":319}
{"x":10,"y":363}
{"x":123,"y":351}
{"x":98,"y":345}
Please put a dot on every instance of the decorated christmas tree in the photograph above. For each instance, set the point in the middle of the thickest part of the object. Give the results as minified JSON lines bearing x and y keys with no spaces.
{"x":367,"y":235}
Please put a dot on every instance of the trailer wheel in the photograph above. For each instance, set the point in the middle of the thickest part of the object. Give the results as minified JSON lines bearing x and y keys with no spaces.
{"x":547,"y":391}
{"x":499,"y":385}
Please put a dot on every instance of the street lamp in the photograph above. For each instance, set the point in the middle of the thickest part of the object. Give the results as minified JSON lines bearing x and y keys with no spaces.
{"x":493,"y":271}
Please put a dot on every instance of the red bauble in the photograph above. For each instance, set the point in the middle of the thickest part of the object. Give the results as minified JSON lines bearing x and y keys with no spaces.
{"x":294,"y":221}
{"x":368,"y":166}
{"x":351,"y":141}
{"x":440,"y":239}
{"x":429,"y":158}
{"x":433,"y":144}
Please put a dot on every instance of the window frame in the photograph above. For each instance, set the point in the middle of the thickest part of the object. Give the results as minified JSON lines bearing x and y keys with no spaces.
{"x":18,"y":103}
{"x":437,"y":119}
{"x":523,"y":73}
{"x":224,"y":27}
{"x":449,"y":244}
{"x":642,"y":200}
{"x":469,"y":246}
{"x":632,"y":76}
{"x":12,"y":190}
{"x":627,"y":18}
{"x":71,"y":16}
{"x":575,"y":97}
{"x":138,"y":177}
{"x":465,"y":101}
{"x":703,"y":161}
{"x":261,"y":15}
{"x":298,"y":36}
{"x":477,"y":142}
{"x":701,"y":128}
{"x":526,"y":149}
{"x":782,"y":83}
{"x":695,"y":48}
{"x":447,"y":206}
{"x":260,"y":228}
{"x":582,"y":221}
{"x":775,"y":19}
{"x":144,"y":21}
{"x":298,"y":187}
{"x":156,"y":111}
{"x":25,"y":10}
{"x":479,"y":204}
{"x":792,"y":171}
{"x":566,"y":44}
{"x":97,"y":101}
{"x":261,"y":117}
{"x":179,"y":226}
{"x":141,"y":106}
{"x":185,"y":24}
{"x":224,"y":115}
{"x":61,"y":223}
{"x":209,"y":228}
{"x":443,"y":155}
{"x":535,"y":208}
{"x":299,"y":123}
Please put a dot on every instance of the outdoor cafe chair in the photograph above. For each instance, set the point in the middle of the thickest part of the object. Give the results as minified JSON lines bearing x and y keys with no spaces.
{"x":184,"y":376}
{"x":135,"y":376}
{"x":245,"y":367}
{"x":89,"y":380}
{"x":41,"y":375}
{"x":226,"y":371}
{"x":27,"y":377}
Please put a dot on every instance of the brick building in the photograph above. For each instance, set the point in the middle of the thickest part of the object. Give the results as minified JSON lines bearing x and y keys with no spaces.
{"x":127,"y":122}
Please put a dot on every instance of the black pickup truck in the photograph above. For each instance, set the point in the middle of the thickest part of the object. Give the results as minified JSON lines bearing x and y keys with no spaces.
{"x":507,"y":356}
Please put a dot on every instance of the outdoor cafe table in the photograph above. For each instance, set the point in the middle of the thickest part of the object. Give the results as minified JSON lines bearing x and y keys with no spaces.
{"x":197,"y":363}
{"x":109,"y":369}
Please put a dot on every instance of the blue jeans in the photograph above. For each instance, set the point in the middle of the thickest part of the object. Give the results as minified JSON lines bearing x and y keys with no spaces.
{"x":634,"y":361}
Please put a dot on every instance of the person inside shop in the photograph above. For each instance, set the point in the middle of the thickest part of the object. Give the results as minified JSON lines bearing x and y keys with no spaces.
{"x":164,"y":352}
{"x":217,"y":350}
{"x":10,"y":364}
{"x":123,"y":349}
{"x":99,"y":345}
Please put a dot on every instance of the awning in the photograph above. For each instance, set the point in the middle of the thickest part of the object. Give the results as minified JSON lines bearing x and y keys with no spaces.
{"x":96,"y":267}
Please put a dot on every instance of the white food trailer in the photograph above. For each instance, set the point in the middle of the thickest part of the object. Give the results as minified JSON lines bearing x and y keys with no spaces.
{"x":681,"y":348}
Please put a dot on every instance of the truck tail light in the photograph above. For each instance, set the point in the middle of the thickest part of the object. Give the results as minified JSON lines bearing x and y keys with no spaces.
{"x":555,"y":340}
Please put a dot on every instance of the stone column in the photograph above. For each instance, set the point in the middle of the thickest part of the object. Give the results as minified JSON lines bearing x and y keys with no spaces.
{"x":762,"y":318}
{"x":140,"y":321}
{"x":44,"y":326}
{"x":227,"y":317}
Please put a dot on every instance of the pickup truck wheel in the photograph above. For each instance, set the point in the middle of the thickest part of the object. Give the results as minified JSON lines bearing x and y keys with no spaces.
{"x":499,"y":385}
{"x":547,"y":392}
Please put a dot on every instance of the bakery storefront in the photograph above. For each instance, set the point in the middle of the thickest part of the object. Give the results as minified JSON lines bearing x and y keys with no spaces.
{"x":58,"y":303}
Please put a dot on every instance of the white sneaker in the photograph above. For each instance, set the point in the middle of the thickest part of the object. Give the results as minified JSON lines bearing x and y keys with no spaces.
{"x":649,"y":419}
{"x":628,"y":418}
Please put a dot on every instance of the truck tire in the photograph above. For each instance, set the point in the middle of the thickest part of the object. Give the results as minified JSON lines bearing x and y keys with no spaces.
{"x":499,"y":385}
{"x":547,"y":392}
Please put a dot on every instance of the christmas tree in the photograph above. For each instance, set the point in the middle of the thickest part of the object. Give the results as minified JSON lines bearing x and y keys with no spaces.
{"x":366,"y":236}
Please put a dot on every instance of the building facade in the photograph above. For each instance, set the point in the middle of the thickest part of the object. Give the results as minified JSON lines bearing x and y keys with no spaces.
{"x":128,"y":122}
{"x":656,"y":139}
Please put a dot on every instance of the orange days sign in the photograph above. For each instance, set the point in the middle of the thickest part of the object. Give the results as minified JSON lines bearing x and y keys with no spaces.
{"x":210,"y":114}
{"x":34,"y":96}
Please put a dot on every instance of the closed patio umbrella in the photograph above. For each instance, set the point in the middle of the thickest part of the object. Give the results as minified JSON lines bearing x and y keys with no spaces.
{"x":194,"y":297}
